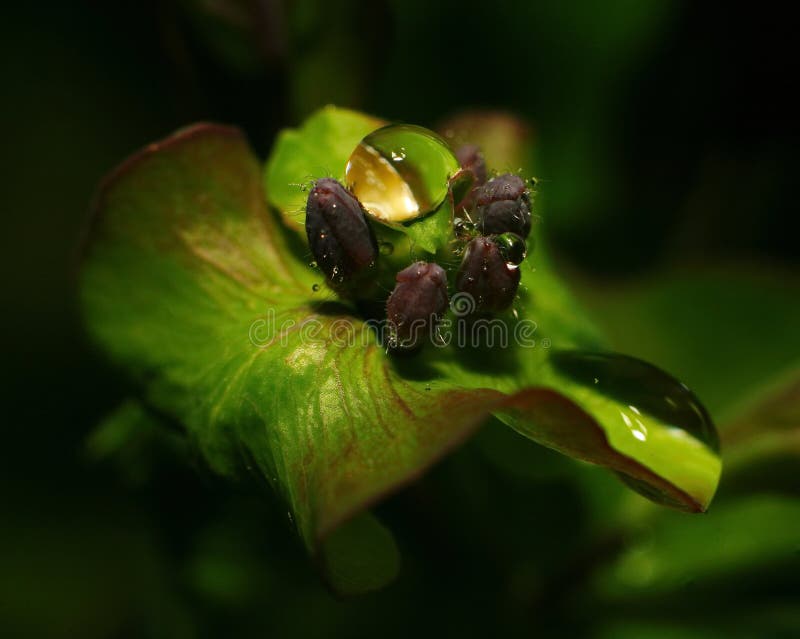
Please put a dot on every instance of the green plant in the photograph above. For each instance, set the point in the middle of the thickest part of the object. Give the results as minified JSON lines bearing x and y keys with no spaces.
{"x":196,"y":281}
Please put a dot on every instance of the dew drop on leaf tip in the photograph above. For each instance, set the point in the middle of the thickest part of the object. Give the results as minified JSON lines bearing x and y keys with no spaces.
{"x":644,"y":389}
{"x":649,"y":417}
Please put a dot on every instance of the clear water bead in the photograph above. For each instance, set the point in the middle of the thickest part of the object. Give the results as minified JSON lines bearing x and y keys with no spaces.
{"x":512,"y":247}
{"x":400,"y":172}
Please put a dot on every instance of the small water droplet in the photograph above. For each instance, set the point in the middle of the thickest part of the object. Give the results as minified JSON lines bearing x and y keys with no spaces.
{"x":315,"y":287}
{"x":313,"y":264}
{"x":427,"y":387}
{"x":386,"y":248}
{"x":512,"y":247}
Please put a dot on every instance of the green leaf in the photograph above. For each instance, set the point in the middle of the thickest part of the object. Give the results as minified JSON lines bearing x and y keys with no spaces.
{"x":194,"y":287}
{"x":189,"y":283}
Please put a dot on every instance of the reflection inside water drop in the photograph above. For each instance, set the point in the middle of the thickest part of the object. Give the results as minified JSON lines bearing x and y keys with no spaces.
{"x":632,"y":419}
{"x":400,"y":172}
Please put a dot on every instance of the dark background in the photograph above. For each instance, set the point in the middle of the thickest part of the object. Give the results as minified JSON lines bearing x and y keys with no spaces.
{"x":665,"y":137}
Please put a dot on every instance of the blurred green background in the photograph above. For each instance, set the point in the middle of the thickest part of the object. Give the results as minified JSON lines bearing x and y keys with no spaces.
{"x":664,"y":136}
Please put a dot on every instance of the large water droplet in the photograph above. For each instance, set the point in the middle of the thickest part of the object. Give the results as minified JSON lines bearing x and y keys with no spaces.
{"x":642,"y":387}
{"x":650,"y":417}
{"x":400,"y":172}
{"x":386,"y":248}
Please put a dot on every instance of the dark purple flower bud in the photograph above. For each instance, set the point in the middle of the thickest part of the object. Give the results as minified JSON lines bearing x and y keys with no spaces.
{"x":472,"y":175}
{"x":504,"y":205}
{"x":470,"y":158}
{"x":417,"y":303}
{"x":488,"y":276}
{"x":339,"y":235}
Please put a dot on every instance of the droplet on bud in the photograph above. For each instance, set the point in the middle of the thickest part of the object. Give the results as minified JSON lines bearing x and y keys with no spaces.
{"x":486,"y":275}
{"x":417,"y":304}
{"x":503,"y":205}
{"x":340,"y":238}
{"x":512,"y":247}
